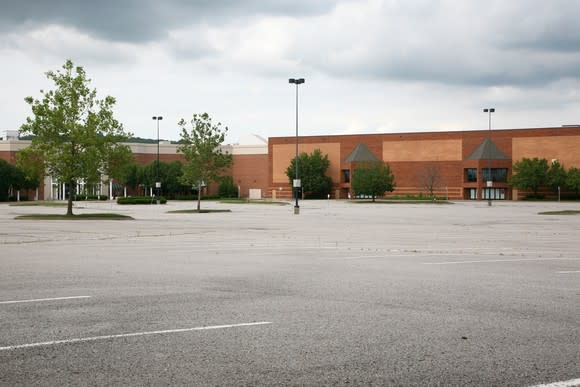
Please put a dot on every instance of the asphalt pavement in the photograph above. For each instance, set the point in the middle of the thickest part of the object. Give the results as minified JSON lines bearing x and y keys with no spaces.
{"x":344,"y":293}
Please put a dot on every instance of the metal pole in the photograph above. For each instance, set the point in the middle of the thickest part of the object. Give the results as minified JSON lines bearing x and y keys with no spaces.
{"x":489,"y":177}
{"x":297,"y":207}
{"x":157,"y":182}
{"x":296,"y":186}
{"x":489,"y":187}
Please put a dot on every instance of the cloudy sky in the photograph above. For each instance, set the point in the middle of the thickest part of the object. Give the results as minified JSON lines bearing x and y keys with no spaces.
{"x":370,"y":65}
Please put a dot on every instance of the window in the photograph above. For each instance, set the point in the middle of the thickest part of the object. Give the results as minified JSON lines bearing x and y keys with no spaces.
{"x":346,"y":175}
{"x":497,"y":174}
{"x":493,"y":193}
{"x":470,"y":174}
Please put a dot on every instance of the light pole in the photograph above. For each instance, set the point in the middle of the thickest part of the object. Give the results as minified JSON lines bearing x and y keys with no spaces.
{"x":157,"y":182}
{"x":296,"y":184}
{"x":489,"y":182}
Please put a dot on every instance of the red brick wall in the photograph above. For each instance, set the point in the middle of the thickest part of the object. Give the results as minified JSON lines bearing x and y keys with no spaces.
{"x":407,"y":172}
{"x":251,"y":171}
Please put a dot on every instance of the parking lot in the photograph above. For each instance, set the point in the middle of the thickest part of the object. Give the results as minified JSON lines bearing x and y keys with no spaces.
{"x":343,"y":294}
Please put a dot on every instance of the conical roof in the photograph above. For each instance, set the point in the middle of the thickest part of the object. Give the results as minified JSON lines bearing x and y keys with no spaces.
{"x":361,"y":153}
{"x":487,"y":150}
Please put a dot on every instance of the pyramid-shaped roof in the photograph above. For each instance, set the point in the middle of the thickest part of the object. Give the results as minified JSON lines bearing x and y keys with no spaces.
{"x":361,"y":153}
{"x":487,"y":150}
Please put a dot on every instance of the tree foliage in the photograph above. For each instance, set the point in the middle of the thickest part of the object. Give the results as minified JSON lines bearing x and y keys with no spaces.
{"x":31,"y":164}
{"x":74,"y":131}
{"x":373,"y":179}
{"x":227,"y":188}
{"x":12,"y":179}
{"x":201,"y":147}
{"x":312,"y":173}
{"x":529,"y":174}
{"x":573,"y":179}
{"x":145,"y":176}
{"x":556,"y":176}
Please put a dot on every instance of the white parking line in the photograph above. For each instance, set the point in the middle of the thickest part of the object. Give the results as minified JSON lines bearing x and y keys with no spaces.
{"x":501,"y":260}
{"x":44,"y":299}
{"x":568,"y":271}
{"x":566,"y":383}
{"x":96,"y":338}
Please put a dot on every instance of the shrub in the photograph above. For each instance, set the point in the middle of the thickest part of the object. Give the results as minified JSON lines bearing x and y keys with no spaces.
{"x":80,"y":198}
{"x":227,"y":188}
{"x":534,"y":197}
{"x":23,"y":198}
{"x":141,"y":200}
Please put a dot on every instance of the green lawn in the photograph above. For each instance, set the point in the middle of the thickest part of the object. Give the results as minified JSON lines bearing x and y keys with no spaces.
{"x":104,"y":216}
{"x":563,"y":212}
{"x":43,"y":203}
{"x":202,"y":211}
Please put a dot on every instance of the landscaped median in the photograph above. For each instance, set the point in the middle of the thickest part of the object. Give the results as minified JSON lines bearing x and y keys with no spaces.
{"x":105,"y":216}
{"x":194,"y":211}
{"x":402,"y":201}
{"x":562,"y":212}
{"x":141,"y":200}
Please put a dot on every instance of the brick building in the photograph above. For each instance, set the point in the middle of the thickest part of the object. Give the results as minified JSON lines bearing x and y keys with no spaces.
{"x":457,"y":164}
{"x":460,"y":162}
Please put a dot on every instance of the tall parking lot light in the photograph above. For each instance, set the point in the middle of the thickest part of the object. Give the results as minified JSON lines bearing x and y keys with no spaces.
{"x":296,"y":184}
{"x":489,"y":182}
{"x":157,"y":182}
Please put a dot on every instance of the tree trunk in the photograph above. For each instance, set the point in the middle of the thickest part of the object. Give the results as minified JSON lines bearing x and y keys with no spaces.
{"x":71,"y":186}
{"x":373,"y":198}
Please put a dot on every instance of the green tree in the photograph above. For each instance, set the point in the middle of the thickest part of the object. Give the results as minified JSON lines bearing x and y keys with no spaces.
{"x":129,"y":175}
{"x":171,"y":179}
{"x":373,"y":179}
{"x":73,"y":131}
{"x":12,"y":179}
{"x":227,"y":188}
{"x":32,"y":166}
{"x":529,"y":174}
{"x":312,"y":174}
{"x":201,"y":147}
{"x":118,"y":159}
{"x":573,"y":179}
{"x":556,"y":176}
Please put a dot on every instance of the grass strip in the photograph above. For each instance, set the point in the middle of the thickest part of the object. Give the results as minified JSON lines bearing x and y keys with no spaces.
{"x":39,"y":203}
{"x":563,"y":212}
{"x":104,"y":216}
{"x":196,"y":211}
{"x":401,"y":201}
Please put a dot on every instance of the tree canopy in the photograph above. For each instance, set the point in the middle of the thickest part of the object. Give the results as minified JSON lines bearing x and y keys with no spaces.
{"x":573,"y":179}
{"x":201,"y":147}
{"x":529,"y":174}
{"x":373,"y":179}
{"x":312,"y":173}
{"x":74,"y":132}
{"x":556,"y":176}
{"x":12,"y":179}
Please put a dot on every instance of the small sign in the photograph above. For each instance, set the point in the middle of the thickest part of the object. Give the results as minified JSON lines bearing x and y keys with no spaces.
{"x":489,"y":183}
{"x":158,"y":184}
{"x":296,"y":183}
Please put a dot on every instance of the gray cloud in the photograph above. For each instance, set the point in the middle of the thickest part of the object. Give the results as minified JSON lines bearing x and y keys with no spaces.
{"x":143,"y":20}
{"x":522,"y":43}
